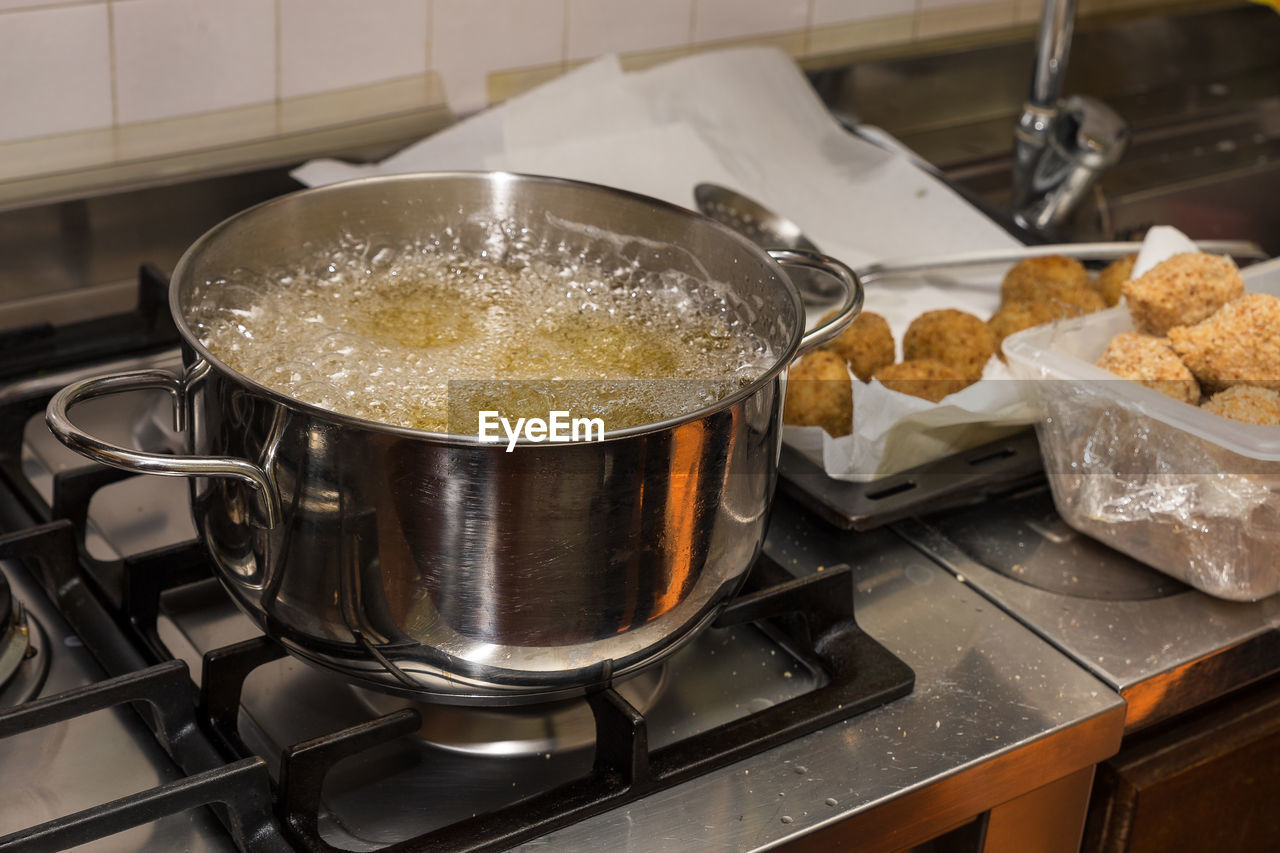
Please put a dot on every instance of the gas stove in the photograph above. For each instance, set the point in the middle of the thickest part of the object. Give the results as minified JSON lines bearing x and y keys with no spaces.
{"x":792,"y":720}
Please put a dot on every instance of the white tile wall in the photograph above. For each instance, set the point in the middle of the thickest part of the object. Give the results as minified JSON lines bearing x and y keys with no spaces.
{"x":336,"y":44}
{"x":732,"y":19}
{"x":470,"y":38}
{"x":177,"y":57}
{"x":55,"y":71}
{"x":597,"y":27}
{"x":216,"y":73}
{"x":6,"y":5}
{"x":826,"y":12}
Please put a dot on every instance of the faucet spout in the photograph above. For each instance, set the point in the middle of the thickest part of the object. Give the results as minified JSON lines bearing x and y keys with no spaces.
{"x":1061,"y":147}
{"x":1053,"y":46}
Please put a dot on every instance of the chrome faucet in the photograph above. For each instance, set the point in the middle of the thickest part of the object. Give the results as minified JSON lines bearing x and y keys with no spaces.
{"x":1061,"y":146}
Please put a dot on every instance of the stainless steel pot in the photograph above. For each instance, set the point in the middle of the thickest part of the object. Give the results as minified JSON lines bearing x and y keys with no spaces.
{"x":433,"y":565}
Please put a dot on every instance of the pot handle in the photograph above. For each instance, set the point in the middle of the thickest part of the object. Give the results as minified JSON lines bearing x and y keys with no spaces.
{"x":151,"y":463}
{"x":849,"y":282}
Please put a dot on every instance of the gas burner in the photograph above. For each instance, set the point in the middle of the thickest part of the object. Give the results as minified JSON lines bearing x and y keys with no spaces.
{"x":24,"y":654}
{"x":544,"y":729}
{"x":1035,"y":546}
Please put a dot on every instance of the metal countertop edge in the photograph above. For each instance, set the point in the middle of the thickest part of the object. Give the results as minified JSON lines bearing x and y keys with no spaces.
{"x":930,"y":810}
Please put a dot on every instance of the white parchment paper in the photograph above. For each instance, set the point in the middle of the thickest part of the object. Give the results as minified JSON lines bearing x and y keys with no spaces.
{"x":748,"y":119}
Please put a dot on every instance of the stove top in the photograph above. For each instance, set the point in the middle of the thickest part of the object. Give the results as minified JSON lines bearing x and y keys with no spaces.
{"x":986,"y":695}
{"x":783,"y":722}
{"x":78,"y":763}
{"x":1162,"y":645}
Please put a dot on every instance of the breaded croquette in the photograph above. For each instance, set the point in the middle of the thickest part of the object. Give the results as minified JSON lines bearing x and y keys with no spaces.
{"x":1112,"y":279}
{"x":819,"y":393}
{"x":1247,"y":403}
{"x":1034,"y":278}
{"x":867,"y":345}
{"x":1077,"y":300}
{"x":1015,"y":316}
{"x":955,"y":338}
{"x":926,"y":378}
{"x":1181,"y":291}
{"x":1150,"y":361}
{"x":1238,"y":345}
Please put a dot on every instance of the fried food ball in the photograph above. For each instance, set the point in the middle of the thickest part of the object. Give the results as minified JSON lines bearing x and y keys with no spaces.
{"x":867,"y":345}
{"x":819,"y":393}
{"x":1015,"y":316}
{"x":1150,"y":361}
{"x":1033,"y":278}
{"x":1180,"y":291}
{"x":1077,"y":300}
{"x":1247,"y":403}
{"x":956,"y":338}
{"x":1238,"y":345}
{"x":1112,"y":278}
{"x":926,"y":378}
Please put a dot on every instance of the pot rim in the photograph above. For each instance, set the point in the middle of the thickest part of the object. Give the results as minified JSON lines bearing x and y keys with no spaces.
{"x":781,"y":361}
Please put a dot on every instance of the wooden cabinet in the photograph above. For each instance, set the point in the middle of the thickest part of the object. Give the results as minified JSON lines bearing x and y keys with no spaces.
{"x":1208,"y":781}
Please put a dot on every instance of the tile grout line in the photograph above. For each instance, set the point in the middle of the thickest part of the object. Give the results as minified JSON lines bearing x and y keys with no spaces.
{"x":564,"y":39}
{"x":114,"y":79}
{"x":279,"y":69}
{"x":40,"y":7}
{"x":808,"y":27}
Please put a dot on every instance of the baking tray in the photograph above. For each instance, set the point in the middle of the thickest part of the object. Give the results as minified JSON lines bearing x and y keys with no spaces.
{"x":964,"y":478}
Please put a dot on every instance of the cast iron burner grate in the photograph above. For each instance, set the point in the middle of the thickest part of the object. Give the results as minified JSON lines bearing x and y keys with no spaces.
{"x":814,"y":614}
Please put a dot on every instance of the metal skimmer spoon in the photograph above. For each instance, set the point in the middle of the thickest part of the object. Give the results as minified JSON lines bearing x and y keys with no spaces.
{"x":768,"y":230}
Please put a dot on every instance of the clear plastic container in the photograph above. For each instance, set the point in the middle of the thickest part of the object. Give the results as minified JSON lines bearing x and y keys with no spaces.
{"x":1190,"y":493}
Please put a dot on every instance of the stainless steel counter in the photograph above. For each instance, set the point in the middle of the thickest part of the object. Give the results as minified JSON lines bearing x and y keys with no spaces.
{"x":996,"y":713}
{"x":1166,"y":648}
